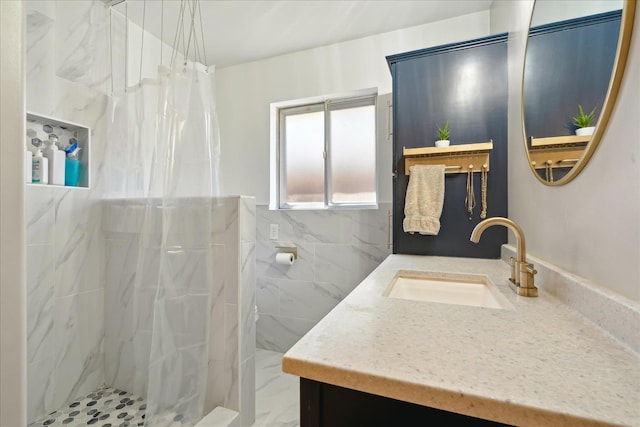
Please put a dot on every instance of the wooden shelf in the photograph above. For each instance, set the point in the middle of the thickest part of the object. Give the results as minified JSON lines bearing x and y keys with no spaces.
{"x":555,"y":157}
{"x":460,"y":158}
{"x":560,"y":140}
{"x":557,"y":151}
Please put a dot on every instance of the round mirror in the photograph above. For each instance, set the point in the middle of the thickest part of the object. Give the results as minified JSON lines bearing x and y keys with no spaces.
{"x":575,"y":58}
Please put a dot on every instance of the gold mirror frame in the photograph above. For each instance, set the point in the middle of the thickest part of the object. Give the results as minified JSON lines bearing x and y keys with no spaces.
{"x":624,"y":42}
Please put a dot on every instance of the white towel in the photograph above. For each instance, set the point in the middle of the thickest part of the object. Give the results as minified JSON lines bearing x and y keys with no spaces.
{"x":424,"y":199}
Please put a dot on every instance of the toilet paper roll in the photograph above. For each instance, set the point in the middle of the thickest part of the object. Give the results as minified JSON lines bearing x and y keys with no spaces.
{"x":284,"y":258}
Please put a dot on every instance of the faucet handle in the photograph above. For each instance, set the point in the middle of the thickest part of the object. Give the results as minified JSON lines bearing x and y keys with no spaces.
{"x":527,"y":286}
{"x":530,"y":269}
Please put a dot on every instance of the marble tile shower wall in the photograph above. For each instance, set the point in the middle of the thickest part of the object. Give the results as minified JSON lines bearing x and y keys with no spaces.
{"x":67,"y":77}
{"x":232,"y":348}
{"x":336,"y":250}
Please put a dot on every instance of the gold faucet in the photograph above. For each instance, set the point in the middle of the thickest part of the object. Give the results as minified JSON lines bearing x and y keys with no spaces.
{"x":522,"y":272}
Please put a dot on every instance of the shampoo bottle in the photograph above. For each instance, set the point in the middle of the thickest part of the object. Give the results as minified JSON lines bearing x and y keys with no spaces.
{"x":56,"y":161}
{"x":40,"y":168}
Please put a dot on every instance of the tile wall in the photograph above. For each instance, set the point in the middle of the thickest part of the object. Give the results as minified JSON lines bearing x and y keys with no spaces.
{"x":67,"y":75}
{"x":336,"y":250}
{"x":232,"y":332}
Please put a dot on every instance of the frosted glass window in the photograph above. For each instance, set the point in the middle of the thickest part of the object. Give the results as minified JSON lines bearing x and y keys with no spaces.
{"x":353,"y":155}
{"x":304,"y":158}
{"x":327,"y":154}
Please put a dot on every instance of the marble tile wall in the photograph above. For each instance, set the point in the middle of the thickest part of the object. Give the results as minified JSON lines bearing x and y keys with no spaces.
{"x":69,"y":77}
{"x":336,"y":250}
{"x":67,"y":42}
{"x":247,"y":302}
{"x":232,"y":325}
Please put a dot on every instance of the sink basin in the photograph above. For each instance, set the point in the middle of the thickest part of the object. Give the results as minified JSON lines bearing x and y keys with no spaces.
{"x":446,"y":288}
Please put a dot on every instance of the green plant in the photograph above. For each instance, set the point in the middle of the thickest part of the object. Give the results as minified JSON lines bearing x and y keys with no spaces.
{"x":443,"y":132}
{"x":583,"y":120}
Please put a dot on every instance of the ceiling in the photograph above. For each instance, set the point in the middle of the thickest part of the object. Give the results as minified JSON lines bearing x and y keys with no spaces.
{"x":238,"y":31}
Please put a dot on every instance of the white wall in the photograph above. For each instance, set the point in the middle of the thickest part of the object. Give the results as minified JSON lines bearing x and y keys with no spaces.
{"x":245,"y":92}
{"x":12,"y":248}
{"x":547,"y":11}
{"x":591,"y":226}
{"x":150,"y":52}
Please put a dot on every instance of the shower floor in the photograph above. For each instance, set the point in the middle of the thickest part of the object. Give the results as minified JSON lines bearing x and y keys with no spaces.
{"x":277,"y":402}
{"x":106,"y":407}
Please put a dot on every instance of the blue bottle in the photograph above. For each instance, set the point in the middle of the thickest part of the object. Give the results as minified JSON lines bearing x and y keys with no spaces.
{"x":71,"y":172}
{"x":72,"y":166}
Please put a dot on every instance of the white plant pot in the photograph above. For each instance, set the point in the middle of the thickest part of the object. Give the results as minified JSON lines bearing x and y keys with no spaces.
{"x":442,"y":143}
{"x":585,"y":131}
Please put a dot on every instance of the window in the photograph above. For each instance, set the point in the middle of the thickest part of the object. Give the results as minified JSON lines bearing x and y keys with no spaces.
{"x":326,"y":153}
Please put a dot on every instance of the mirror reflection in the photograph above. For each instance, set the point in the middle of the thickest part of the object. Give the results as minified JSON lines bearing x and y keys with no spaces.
{"x":571,"y":54}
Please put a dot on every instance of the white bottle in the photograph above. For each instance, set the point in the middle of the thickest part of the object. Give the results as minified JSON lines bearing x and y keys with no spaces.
{"x":28,"y":166}
{"x":40,"y":168}
{"x":56,"y":161}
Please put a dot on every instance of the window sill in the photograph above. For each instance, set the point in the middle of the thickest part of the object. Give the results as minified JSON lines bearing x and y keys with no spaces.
{"x":325,"y":208}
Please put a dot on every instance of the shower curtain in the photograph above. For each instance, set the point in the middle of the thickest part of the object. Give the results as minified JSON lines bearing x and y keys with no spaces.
{"x":164,"y":148}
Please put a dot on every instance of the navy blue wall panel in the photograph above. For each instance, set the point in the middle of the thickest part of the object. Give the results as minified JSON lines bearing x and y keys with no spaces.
{"x":465,"y":84}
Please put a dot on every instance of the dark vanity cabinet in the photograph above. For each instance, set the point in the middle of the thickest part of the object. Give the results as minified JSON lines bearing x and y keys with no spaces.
{"x":466,"y":85}
{"x":327,"y":405}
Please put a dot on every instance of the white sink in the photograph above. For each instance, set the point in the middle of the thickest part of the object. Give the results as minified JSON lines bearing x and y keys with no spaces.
{"x":446,"y":288}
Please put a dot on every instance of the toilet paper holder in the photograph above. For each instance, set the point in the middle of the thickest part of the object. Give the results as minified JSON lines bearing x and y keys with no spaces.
{"x":288,"y":248}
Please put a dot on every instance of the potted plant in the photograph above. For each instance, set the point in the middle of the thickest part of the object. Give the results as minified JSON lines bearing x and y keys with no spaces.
{"x":443,"y":135}
{"x":583,"y":122}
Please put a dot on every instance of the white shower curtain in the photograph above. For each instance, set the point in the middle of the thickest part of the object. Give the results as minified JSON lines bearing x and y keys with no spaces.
{"x":164,"y":148}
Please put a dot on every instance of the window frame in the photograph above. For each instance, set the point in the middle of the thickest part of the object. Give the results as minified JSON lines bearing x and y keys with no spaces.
{"x":326,"y":104}
{"x":282,"y":181}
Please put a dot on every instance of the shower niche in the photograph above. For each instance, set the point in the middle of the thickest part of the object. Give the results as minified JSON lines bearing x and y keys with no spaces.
{"x":38,"y":129}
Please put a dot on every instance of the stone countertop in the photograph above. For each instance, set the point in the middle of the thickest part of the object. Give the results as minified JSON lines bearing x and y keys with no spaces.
{"x":540,"y":363}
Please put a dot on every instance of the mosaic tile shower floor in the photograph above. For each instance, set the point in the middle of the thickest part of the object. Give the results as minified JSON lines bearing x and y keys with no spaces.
{"x":106,"y":407}
{"x":277,"y":402}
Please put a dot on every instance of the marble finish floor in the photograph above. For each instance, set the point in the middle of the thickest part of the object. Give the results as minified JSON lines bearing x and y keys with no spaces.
{"x":277,"y":402}
{"x":277,"y":393}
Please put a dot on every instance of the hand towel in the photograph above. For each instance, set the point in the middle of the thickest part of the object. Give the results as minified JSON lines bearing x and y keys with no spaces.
{"x":424,"y":199}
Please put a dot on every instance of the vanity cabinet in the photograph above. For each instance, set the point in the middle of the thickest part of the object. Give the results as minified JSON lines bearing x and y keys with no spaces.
{"x":327,"y":405}
{"x":372,"y":355}
{"x":464,"y":84}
